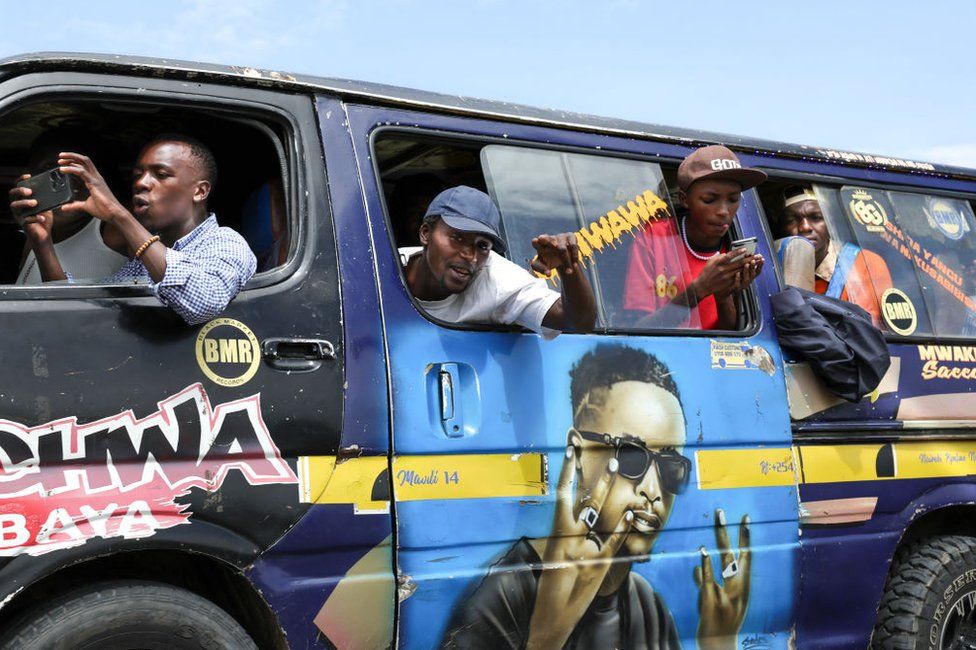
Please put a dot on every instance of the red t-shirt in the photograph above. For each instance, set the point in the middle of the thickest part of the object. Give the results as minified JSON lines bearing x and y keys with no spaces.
{"x":660,"y":267}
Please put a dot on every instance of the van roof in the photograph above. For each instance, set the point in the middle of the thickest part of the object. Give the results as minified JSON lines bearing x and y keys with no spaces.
{"x":455,"y":104}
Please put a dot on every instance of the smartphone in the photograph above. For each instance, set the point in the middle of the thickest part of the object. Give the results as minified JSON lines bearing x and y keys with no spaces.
{"x":747,"y":243}
{"x":50,"y":189}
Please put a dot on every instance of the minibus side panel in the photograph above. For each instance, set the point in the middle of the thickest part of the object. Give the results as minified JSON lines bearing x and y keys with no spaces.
{"x":463,"y":502}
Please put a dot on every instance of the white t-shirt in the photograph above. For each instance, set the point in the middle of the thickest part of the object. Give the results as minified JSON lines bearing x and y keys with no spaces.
{"x":84,"y":255}
{"x":502,"y":292}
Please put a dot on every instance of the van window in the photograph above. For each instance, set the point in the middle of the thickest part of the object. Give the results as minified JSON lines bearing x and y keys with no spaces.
{"x":936,"y":234}
{"x":249,"y":195}
{"x":608,"y":202}
{"x":907,"y":258}
{"x":924,"y":243}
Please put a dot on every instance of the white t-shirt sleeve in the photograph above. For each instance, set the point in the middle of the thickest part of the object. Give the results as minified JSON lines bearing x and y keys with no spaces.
{"x":520,"y":298}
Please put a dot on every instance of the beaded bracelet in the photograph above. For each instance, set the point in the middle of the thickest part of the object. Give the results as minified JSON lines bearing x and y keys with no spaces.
{"x":149,"y":242}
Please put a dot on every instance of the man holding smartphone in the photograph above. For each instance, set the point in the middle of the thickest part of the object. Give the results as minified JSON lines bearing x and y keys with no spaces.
{"x":193,"y":265}
{"x":619,"y":481}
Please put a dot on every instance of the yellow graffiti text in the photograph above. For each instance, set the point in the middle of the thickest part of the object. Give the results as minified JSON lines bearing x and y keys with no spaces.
{"x":934,"y":370}
{"x":609,"y":229}
{"x":947,"y":353}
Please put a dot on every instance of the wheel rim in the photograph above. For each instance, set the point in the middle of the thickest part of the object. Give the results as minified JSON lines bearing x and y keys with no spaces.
{"x":959,"y":632}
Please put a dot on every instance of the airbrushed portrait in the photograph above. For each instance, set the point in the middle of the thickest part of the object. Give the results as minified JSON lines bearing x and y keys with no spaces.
{"x":622,"y":476}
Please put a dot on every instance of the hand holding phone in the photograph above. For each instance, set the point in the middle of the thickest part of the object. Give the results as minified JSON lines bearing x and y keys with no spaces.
{"x":746,"y":243}
{"x":48,"y":190}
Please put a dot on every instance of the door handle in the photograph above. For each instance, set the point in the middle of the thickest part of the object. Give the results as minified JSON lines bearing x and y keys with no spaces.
{"x":452,"y":416}
{"x":297,"y":355}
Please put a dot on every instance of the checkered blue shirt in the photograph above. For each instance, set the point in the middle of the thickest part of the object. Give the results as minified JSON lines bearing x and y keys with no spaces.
{"x":204,"y":271}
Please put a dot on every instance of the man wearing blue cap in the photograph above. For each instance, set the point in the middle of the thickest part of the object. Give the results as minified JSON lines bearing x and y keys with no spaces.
{"x":458,"y":277}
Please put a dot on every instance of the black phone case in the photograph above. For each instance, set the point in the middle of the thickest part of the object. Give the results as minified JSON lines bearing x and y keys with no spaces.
{"x":50,"y":189}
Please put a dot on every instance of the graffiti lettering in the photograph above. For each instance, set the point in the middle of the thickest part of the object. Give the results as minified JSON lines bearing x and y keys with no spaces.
{"x":120,"y":476}
{"x":608,"y":229}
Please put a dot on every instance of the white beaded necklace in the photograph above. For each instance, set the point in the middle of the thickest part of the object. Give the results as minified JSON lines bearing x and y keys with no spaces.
{"x":691,"y":250}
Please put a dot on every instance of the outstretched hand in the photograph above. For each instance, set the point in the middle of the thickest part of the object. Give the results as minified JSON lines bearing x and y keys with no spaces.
{"x":722,"y":608}
{"x":555,"y":252}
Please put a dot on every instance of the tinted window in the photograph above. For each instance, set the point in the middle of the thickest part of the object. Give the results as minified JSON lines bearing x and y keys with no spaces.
{"x":919,"y":256}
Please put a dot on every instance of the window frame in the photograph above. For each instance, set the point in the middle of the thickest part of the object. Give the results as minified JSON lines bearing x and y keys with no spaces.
{"x":839,"y":181}
{"x":286,"y":111}
{"x":749,"y":302}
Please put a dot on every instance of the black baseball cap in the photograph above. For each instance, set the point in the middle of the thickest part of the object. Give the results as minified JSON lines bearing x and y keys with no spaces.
{"x":468,"y":210}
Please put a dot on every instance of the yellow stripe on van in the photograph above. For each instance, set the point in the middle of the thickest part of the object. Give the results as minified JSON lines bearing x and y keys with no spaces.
{"x":468,"y":476}
{"x":358,"y":481}
{"x":740,"y":468}
{"x":840,"y":463}
{"x":415,"y":478}
{"x":351,"y":481}
{"x":930,"y":460}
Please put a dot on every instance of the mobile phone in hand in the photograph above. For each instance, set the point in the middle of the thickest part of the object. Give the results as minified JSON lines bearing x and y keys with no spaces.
{"x":50,"y":189}
{"x":747,"y":243}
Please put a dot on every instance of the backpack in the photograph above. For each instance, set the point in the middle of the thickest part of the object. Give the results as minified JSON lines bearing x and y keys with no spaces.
{"x":836,"y":338}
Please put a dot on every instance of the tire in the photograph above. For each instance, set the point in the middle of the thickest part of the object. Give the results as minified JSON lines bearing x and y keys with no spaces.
{"x":126,"y":615}
{"x":930,"y":599}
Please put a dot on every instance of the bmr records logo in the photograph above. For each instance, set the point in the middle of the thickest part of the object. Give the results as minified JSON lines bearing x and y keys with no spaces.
{"x":947,"y":218}
{"x":899,"y":312}
{"x":228,"y":352}
{"x":868,"y":210}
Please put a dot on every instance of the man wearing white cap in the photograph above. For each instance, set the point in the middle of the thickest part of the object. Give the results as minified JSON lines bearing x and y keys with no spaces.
{"x":844,"y":271}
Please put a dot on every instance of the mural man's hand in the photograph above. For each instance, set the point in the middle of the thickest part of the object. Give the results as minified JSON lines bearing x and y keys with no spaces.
{"x":576,"y":559}
{"x":722,"y":608}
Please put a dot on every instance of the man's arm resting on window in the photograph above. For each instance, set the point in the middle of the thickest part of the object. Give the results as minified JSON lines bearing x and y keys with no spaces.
{"x":200,"y":288}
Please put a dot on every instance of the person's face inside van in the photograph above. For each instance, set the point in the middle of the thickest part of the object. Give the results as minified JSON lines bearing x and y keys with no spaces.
{"x":454,"y":257}
{"x":805,"y":219}
{"x":711,"y":205}
{"x":168,"y":185}
{"x":639,"y":410}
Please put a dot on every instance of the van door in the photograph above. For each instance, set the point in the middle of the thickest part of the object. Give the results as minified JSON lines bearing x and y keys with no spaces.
{"x":139,"y":430}
{"x":487,"y":421}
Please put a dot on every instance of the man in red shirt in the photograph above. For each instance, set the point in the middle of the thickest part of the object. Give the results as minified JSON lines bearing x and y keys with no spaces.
{"x":680,"y":273}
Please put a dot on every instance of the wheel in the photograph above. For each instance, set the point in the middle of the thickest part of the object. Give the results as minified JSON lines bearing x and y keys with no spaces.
{"x":930,"y":599}
{"x":128,"y":615}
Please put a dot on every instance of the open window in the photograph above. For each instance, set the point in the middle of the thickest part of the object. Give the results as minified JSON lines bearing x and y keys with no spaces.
{"x":251,"y":194}
{"x":620,"y":208}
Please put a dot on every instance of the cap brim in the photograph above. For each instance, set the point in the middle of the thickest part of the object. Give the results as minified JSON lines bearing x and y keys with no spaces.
{"x":747,"y":178}
{"x":465,"y":224}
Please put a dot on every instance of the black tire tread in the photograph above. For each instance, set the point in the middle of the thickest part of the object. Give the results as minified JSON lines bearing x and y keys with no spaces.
{"x":45,"y":625}
{"x":914,"y":571}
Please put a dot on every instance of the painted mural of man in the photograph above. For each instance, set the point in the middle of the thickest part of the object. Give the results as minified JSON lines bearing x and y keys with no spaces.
{"x":621,"y":475}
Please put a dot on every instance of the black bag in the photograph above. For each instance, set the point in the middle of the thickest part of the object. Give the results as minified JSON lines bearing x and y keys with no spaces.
{"x":839,"y":341}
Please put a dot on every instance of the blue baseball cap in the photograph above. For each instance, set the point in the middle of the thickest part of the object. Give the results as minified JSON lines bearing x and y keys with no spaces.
{"x":468,"y":210}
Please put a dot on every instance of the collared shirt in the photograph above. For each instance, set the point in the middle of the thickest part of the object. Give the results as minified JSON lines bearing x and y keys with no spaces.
{"x":204,"y":271}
